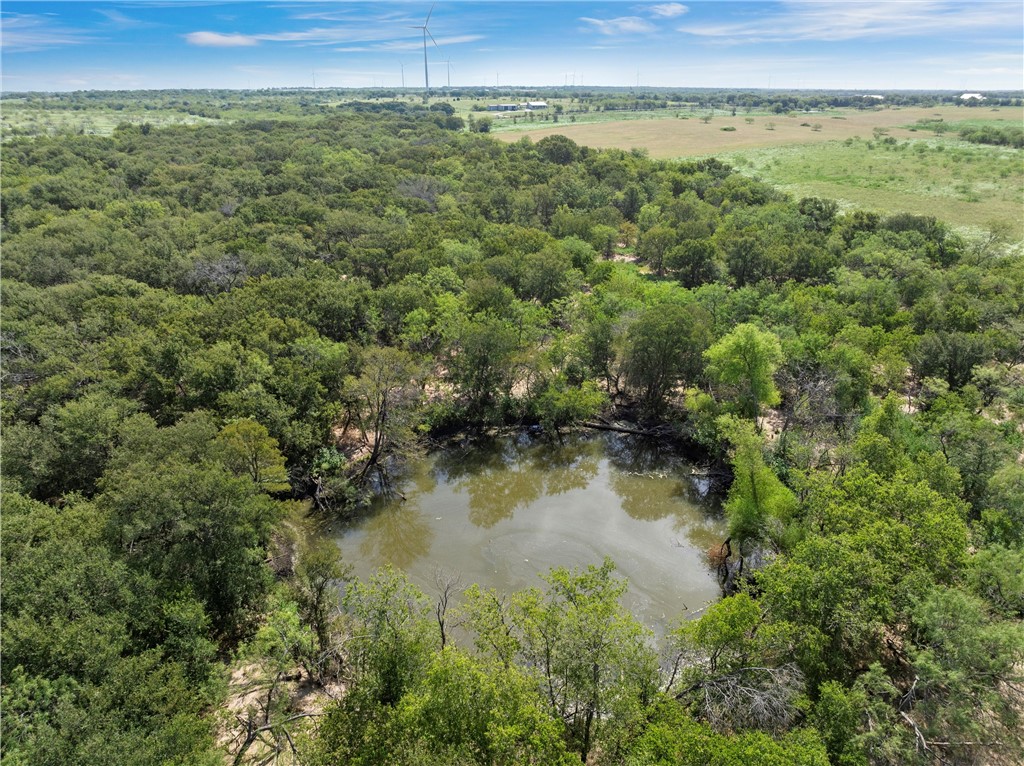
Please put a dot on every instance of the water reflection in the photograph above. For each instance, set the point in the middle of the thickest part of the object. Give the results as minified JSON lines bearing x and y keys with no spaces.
{"x":398,"y":534}
{"x":568,"y":466}
{"x":501,"y":476}
{"x":502,"y":510}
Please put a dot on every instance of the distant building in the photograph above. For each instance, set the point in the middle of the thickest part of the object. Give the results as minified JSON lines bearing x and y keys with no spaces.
{"x":972,"y":97}
{"x":874,"y":96}
{"x":536,"y":104}
{"x":502,"y":107}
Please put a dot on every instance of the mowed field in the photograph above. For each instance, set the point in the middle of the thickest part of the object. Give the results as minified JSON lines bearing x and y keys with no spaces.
{"x":838,"y":155}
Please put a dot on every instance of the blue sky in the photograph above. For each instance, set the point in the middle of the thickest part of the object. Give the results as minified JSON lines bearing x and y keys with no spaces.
{"x":855,"y":44}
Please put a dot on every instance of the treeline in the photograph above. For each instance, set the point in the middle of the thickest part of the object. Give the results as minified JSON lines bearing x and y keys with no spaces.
{"x":996,"y":135}
{"x":200,"y":323}
{"x":989,"y":134}
{"x":216,"y":103}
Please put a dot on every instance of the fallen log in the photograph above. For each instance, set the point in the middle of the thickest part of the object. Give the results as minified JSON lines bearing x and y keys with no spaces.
{"x":619,"y":429}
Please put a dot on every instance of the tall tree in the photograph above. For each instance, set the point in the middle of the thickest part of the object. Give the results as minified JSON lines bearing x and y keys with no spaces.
{"x":664,"y":346}
{"x":746,"y":360}
{"x":383,"y":402}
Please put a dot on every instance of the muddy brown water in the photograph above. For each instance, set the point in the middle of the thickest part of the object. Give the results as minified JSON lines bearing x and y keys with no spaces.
{"x":503,"y":510}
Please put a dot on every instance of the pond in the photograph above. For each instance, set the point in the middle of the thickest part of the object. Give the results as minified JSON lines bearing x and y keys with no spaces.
{"x":502,"y":510}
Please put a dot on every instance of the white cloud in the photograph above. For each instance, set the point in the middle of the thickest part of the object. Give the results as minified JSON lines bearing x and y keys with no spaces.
{"x":985,"y":71}
{"x":393,"y":46}
{"x":668,"y":10}
{"x":118,"y":20}
{"x":623,"y":25}
{"x":850,"y":20}
{"x":220,"y":40}
{"x":23,"y":32}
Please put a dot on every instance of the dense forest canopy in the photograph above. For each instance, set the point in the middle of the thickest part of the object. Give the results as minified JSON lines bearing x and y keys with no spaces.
{"x":205,"y":326}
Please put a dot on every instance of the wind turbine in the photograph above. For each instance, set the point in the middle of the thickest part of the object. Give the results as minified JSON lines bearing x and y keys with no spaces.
{"x":448,"y":64}
{"x":426,"y":34}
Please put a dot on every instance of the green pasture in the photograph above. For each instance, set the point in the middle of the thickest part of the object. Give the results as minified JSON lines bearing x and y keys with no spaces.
{"x":967,"y":185}
{"x":19,"y":119}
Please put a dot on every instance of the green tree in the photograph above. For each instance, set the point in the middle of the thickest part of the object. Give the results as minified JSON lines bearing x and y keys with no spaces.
{"x":664,"y":347}
{"x":394,"y":638}
{"x":560,"y":404}
{"x":481,"y":364}
{"x":247,"y":449}
{"x":587,"y":653}
{"x":693,"y":262}
{"x":654,"y":245}
{"x":183,"y":519}
{"x":672,"y":738}
{"x":383,"y":402}
{"x":731,"y":670}
{"x":745,"y":360}
{"x":318,"y":574}
{"x":759,"y":506}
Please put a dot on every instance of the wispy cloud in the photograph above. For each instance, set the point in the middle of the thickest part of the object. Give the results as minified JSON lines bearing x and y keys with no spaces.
{"x":120,"y":21}
{"x":849,"y":20}
{"x":397,"y":46}
{"x":382,"y":32}
{"x":24,"y":32}
{"x":623,"y":25}
{"x":668,"y":10}
{"x":980,"y":71}
{"x":220,"y":40}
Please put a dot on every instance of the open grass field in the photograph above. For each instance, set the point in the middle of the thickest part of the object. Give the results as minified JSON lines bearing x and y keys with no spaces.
{"x":25,"y":120}
{"x":967,"y":185}
{"x":845,"y":155}
{"x":666,"y":136}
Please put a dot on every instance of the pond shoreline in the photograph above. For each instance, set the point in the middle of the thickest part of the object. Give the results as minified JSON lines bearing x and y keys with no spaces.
{"x":502,"y":506}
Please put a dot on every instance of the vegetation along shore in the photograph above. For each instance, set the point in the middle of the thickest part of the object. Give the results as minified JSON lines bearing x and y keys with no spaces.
{"x":227,"y":340}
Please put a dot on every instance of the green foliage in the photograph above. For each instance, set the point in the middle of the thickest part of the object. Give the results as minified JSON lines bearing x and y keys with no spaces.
{"x":461,"y":711}
{"x":317,"y":578}
{"x":731,"y":669}
{"x":837,"y":715}
{"x":481,"y":364}
{"x":95,"y":670}
{"x":585,"y":652}
{"x":672,"y":739}
{"x":186,"y":522}
{"x":1003,"y":517}
{"x":663,"y":348}
{"x":382,"y":402}
{"x":746,"y":360}
{"x":192,"y":315}
{"x":960,"y":659}
{"x":247,"y":449}
{"x":393,"y":648}
{"x":560,"y":404}
{"x":759,"y":507}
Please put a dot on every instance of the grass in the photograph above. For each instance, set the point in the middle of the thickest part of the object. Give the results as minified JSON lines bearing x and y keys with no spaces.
{"x":967,"y":185}
{"x":879,"y":159}
{"x":872,"y":159}
{"x":24,"y":119}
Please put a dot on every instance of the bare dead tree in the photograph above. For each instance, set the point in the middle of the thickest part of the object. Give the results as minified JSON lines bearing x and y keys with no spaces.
{"x":748,"y":698}
{"x":448,"y":584}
